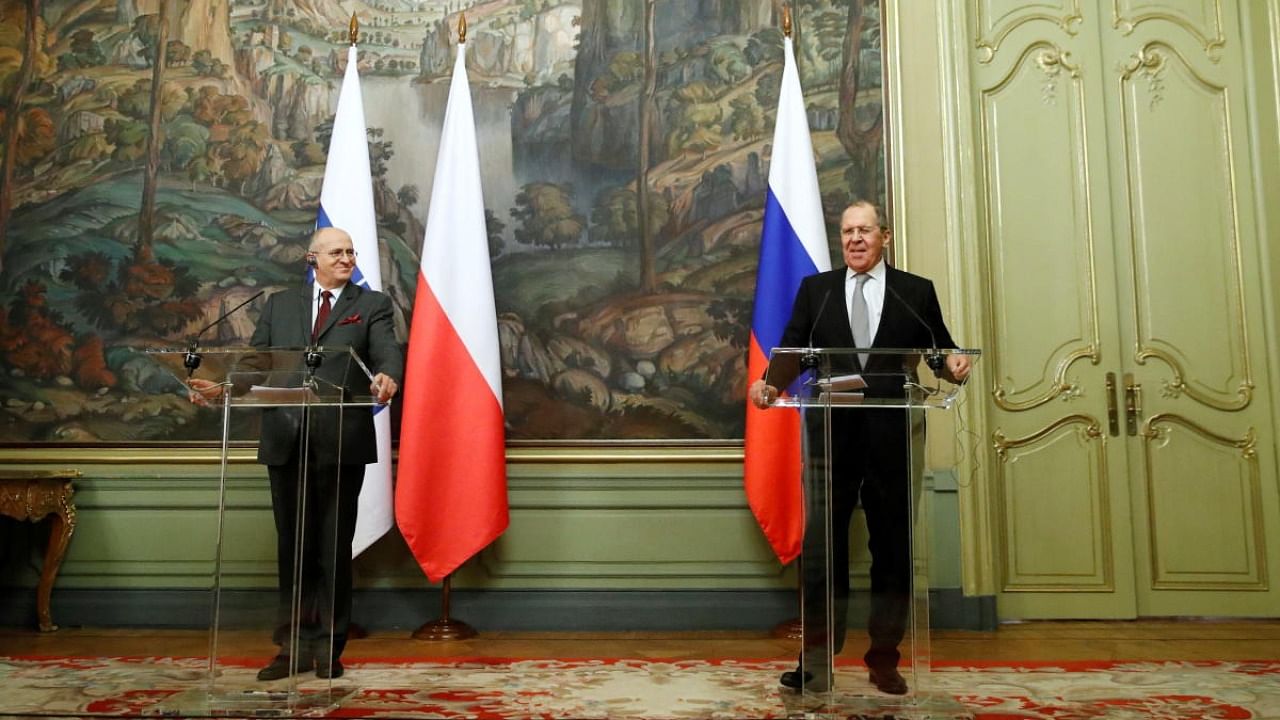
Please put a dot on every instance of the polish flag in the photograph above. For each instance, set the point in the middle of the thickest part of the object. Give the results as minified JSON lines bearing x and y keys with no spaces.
{"x":793,"y":245}
{"x":451,"y":489}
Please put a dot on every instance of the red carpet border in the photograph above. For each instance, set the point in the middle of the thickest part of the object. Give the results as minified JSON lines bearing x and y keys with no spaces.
{"x":503,"y":689}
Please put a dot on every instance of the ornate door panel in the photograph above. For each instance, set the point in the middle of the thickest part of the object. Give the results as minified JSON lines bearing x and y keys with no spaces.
{"x":1132,"y":471}
{"x":1187,"y":236}
{"x":1061,"y":499}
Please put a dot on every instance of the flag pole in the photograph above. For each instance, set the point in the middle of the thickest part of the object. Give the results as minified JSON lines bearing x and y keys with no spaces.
{"x":446,"y":628}
{"x":792,"y":628}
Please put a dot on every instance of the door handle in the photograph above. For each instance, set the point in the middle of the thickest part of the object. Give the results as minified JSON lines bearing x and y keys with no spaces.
{"x":1132,"y":404}
{"x":1113,"y":414}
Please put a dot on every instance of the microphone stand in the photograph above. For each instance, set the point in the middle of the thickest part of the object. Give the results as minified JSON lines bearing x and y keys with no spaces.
{"x":936,"y":361}
{"x":809,"y":361}
{"x":191,"y":360}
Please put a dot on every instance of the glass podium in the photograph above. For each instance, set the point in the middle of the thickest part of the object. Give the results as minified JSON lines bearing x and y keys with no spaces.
{"x":306,"y":391}
{"x":863,"y":415}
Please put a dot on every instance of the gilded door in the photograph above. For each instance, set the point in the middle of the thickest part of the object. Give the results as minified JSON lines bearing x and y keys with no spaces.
{"x":1132,"y":466}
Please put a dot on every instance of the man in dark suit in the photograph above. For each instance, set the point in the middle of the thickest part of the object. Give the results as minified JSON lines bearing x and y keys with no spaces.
{"x":882,"y":308}
{"x":332,"y":313}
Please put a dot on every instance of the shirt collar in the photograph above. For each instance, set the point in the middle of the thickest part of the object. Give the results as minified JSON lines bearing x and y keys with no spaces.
{"x":877,"y":273}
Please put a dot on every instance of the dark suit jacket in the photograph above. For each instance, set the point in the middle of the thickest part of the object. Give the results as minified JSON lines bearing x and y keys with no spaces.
{"x":361,"y":320}
{"x":813,"y":324}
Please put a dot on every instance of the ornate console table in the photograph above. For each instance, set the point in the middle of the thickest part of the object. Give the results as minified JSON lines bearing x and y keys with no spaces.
{"x":32,"y":495}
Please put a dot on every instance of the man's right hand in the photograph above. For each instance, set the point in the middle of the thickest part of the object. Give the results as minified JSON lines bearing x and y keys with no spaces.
{"x":202,"y":392}
{"x":762,"y":394}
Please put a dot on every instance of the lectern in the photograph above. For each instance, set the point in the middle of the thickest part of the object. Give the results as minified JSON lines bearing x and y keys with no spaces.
{"x":303,"y":386}
{"x":863,"y":416}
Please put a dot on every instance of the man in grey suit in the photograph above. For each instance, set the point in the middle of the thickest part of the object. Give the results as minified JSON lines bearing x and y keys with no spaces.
{"x":868,"y":303}
{"x":332,"y":313}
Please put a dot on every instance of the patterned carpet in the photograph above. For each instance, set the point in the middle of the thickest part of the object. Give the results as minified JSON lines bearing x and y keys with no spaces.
{"x":624,"y":688}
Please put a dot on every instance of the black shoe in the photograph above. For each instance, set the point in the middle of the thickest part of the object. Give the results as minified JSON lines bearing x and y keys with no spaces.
{"x":279,"y":668}
{"x":329,"y":670}
{"x":791,"y":679}
{"x":888,"y":680}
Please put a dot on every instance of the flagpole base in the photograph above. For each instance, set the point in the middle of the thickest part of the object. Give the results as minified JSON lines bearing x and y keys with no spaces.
{"x":444,"y":629}
{"x":788,"y":630}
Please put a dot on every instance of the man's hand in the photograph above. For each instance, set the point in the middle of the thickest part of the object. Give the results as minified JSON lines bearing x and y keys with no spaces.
{"x":958,"y":367}
{"x":383,"y":387}
{"x":762,"y":394}
{"x":202,"y":392}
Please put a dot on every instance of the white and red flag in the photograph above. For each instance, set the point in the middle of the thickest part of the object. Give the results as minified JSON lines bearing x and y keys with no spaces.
{"x":451,"y":488}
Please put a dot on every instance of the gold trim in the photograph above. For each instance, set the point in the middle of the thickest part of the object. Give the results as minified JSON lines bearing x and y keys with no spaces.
{"x":1247,"y":446}
{"x":1151,"y":59}
{"x":1178,"y":385}
{"x":1050,"y":59}
{"x":988,"y":46}
{"x":1212,"y":46}
{"x":1002,"y":444}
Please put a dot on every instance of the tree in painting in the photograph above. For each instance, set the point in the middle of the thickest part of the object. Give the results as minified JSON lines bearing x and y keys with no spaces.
{"x":162,"y":162}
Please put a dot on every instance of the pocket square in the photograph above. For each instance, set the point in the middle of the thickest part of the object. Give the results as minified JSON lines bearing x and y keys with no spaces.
{"x":350,"y":320}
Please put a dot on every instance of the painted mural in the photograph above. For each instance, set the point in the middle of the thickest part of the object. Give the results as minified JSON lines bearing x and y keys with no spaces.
{"x":614,"y":324}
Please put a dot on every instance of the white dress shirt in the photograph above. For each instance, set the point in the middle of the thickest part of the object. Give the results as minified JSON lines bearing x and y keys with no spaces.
{"x":315,"y":299}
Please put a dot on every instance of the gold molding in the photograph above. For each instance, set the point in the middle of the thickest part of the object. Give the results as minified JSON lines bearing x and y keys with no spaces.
{"x":1178,"y":385}
{"x":1212,"y":46}
{"x":1247,"y":446}
{"x":1051,"y":60}
{"x":1001,"y":443}
{"x":989,"y":44}
{"x":1151,"y":60}
{"x":1091,"y":429}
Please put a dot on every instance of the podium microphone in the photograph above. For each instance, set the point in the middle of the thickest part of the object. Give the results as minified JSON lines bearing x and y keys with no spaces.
{"x":935,"y":360}
{"x":810,"y":359}
{"x":191,"y":361}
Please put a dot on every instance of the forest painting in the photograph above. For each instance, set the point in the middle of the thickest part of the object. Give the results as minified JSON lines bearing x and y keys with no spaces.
{"x":615,"y":324}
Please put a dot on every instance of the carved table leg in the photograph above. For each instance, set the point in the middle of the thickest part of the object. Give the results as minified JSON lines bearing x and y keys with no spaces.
{"x":64,"y":523}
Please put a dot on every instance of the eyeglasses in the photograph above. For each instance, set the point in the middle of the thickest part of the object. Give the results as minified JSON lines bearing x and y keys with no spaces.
{"x":337,"y":254}
{"x":862,"y":230}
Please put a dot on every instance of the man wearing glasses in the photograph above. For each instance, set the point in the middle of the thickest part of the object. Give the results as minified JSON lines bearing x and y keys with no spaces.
{"x":332,"y":313}
{"x":868,"y":303}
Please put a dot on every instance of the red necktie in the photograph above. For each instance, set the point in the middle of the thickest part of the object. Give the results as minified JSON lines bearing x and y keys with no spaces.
{"x":322,"y":315}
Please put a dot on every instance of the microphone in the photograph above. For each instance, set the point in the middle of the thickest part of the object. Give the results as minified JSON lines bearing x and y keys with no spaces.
{"x":810,"y":359}
{"x":312,"y":356}
{"x":191,"y":361}
{"x":935,"y":360}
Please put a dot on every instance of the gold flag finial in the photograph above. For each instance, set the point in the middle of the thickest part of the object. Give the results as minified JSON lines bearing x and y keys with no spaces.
{"x":353,"y":29}
{"x":786,"y":20}
{"x":462,"y":28}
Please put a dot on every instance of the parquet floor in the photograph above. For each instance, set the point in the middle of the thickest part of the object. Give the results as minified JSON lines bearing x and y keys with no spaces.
{"x":1029,"y":641}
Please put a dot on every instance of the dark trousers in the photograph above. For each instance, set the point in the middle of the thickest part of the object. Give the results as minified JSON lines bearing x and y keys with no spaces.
{"x":328,"y":524}
{"x":871,"y":460}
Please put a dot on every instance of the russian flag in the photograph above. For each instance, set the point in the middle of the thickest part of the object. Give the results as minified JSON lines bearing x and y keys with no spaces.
{"x":451,"y":492}
{"x":793,"y":245}
{"x":346,"y":202}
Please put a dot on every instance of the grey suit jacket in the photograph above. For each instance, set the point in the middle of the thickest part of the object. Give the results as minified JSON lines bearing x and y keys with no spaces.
{"x":361,"y":320}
